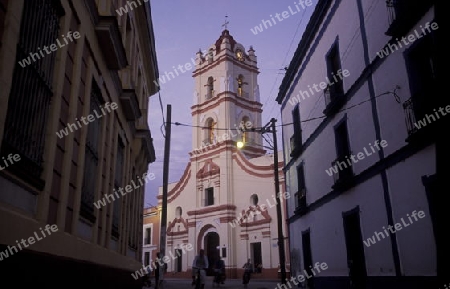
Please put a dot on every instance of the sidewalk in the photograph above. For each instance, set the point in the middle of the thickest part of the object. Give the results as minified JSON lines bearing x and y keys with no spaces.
{"x":229,"y":284}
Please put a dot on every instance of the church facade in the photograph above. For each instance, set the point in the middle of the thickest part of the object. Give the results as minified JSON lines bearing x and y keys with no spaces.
{"x":225,"y":201}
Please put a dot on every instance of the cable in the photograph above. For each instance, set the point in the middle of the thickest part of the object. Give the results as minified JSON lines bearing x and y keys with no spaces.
{"x":206,"y":127}
{"x":290,"y":46}
{"x":394,"y":92}
{"x":162,"y":130}
{"x":162,"y":113}
{"x":350,"y":107}
{"x":346,"y":52}
{"x":284,"y":60}
{"x":269,"y":142}
{"x":313,"y":109}
{"x":358,"y":30}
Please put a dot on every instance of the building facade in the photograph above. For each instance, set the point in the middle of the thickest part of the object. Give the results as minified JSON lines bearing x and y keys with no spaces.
{"x":363,"y":150}
{"x":75,"y":78}
{"x":224,"y":202}
{"x":151,"y":235}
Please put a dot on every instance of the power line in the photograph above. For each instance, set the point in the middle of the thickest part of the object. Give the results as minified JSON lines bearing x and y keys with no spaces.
{"x":267,"y":140}
{"x":394,"y":92}
{"x":349,"y":46}
{"x":290,"y":46}
{"x":205,"y":127}
{"x":162,"y":113}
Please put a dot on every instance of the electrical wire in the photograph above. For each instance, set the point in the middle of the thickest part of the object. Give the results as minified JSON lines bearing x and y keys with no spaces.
{"x":348,"y":48}
{"x":206,"y":127}
{"x":267,"y":140}
{"x":358,"y":30}
{"x":394,"y":92}
{"x":284,"y":60}
{"x":162,"y":113}
{"x":290,"y":46}
{"x":352,"y":106}
{"x":344,"y":56}
{"x":314,"y":108}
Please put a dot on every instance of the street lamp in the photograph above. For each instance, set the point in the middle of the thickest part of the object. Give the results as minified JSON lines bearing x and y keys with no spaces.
{"x":270,"y":128}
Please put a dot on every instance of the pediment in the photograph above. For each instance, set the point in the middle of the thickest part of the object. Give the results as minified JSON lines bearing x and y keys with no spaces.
{"x":209,"y":169}
{"x":246,"y":216}
{"x":171,"y":231}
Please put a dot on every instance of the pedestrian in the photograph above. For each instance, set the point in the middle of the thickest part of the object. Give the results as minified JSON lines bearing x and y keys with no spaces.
{"x":248,"y":269}
{"x":200,"y":263}
{"x":219,"y":271}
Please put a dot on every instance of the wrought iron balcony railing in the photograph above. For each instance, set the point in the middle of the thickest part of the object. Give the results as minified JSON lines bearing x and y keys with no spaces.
{"x":410,"y":117}
{"x":345,"y":171}
{"x":390,"y":6}
{"x":334,"y":98}
{"x":300,"y":201}
{"x":404,"y":14}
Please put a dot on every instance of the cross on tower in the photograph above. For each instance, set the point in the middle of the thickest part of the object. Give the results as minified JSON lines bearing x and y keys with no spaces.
{"x":226,"y":22}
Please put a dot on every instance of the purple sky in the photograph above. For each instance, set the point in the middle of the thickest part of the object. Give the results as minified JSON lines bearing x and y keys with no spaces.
{"x":182,"y":28}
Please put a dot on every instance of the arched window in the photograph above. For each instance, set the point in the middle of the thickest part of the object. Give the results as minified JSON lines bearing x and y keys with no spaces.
{"x":210,"y":55}
{"x":210,"y":131}
{"x":245,"y":134}
{"x":241,"y":83}
{"x":254,"y":199}
{"x":178,"y":212}
{"x":210,"y":88}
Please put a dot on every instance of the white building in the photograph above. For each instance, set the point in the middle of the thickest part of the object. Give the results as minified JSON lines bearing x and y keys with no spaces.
{"x":373,"y":98}
{"x":224,"y":202}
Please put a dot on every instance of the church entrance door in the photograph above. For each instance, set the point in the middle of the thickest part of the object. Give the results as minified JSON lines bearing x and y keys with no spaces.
{"x":211,"y":242}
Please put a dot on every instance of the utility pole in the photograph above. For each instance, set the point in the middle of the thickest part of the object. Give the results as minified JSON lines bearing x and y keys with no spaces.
{"x":281,"y":250}
{"x":162,"y":238}
{"x":270,"y":127}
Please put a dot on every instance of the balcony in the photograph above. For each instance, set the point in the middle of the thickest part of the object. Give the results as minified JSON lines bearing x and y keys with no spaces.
{"x":147,"y":142}
{"x":130,"y":104}
{"x":410,"y":118}
{"x":343,"y":179}
{"x":334,"y":99}
{"x":296,"y":146}
{"x":404,"y":14}
{"x":110,"y":41}
{"x":421,"y":127}
{"x":300,"y":202}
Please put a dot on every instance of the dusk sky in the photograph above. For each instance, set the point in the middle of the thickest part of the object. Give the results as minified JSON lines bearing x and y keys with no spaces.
{"x":182,"y":28}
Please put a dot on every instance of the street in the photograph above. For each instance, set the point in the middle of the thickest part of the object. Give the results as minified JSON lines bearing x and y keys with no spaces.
{"x":230,"y":283}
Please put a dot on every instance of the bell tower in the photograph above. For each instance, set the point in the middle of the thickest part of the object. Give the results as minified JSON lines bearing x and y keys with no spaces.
{"x":226,"y":96}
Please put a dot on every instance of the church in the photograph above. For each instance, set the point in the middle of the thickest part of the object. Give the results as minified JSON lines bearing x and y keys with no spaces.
{"x":224,"y":201}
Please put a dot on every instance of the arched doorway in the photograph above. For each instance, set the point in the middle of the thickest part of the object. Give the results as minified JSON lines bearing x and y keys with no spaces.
{"x":211,"y":243}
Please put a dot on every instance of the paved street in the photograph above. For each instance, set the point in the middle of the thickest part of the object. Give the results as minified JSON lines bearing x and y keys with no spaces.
{"x":229,"y":284}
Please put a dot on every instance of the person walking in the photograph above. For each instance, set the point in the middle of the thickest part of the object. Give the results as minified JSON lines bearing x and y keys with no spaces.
{"x":200,"y":263}
{"x":219,"y":271}
{"x":248,"y":269}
